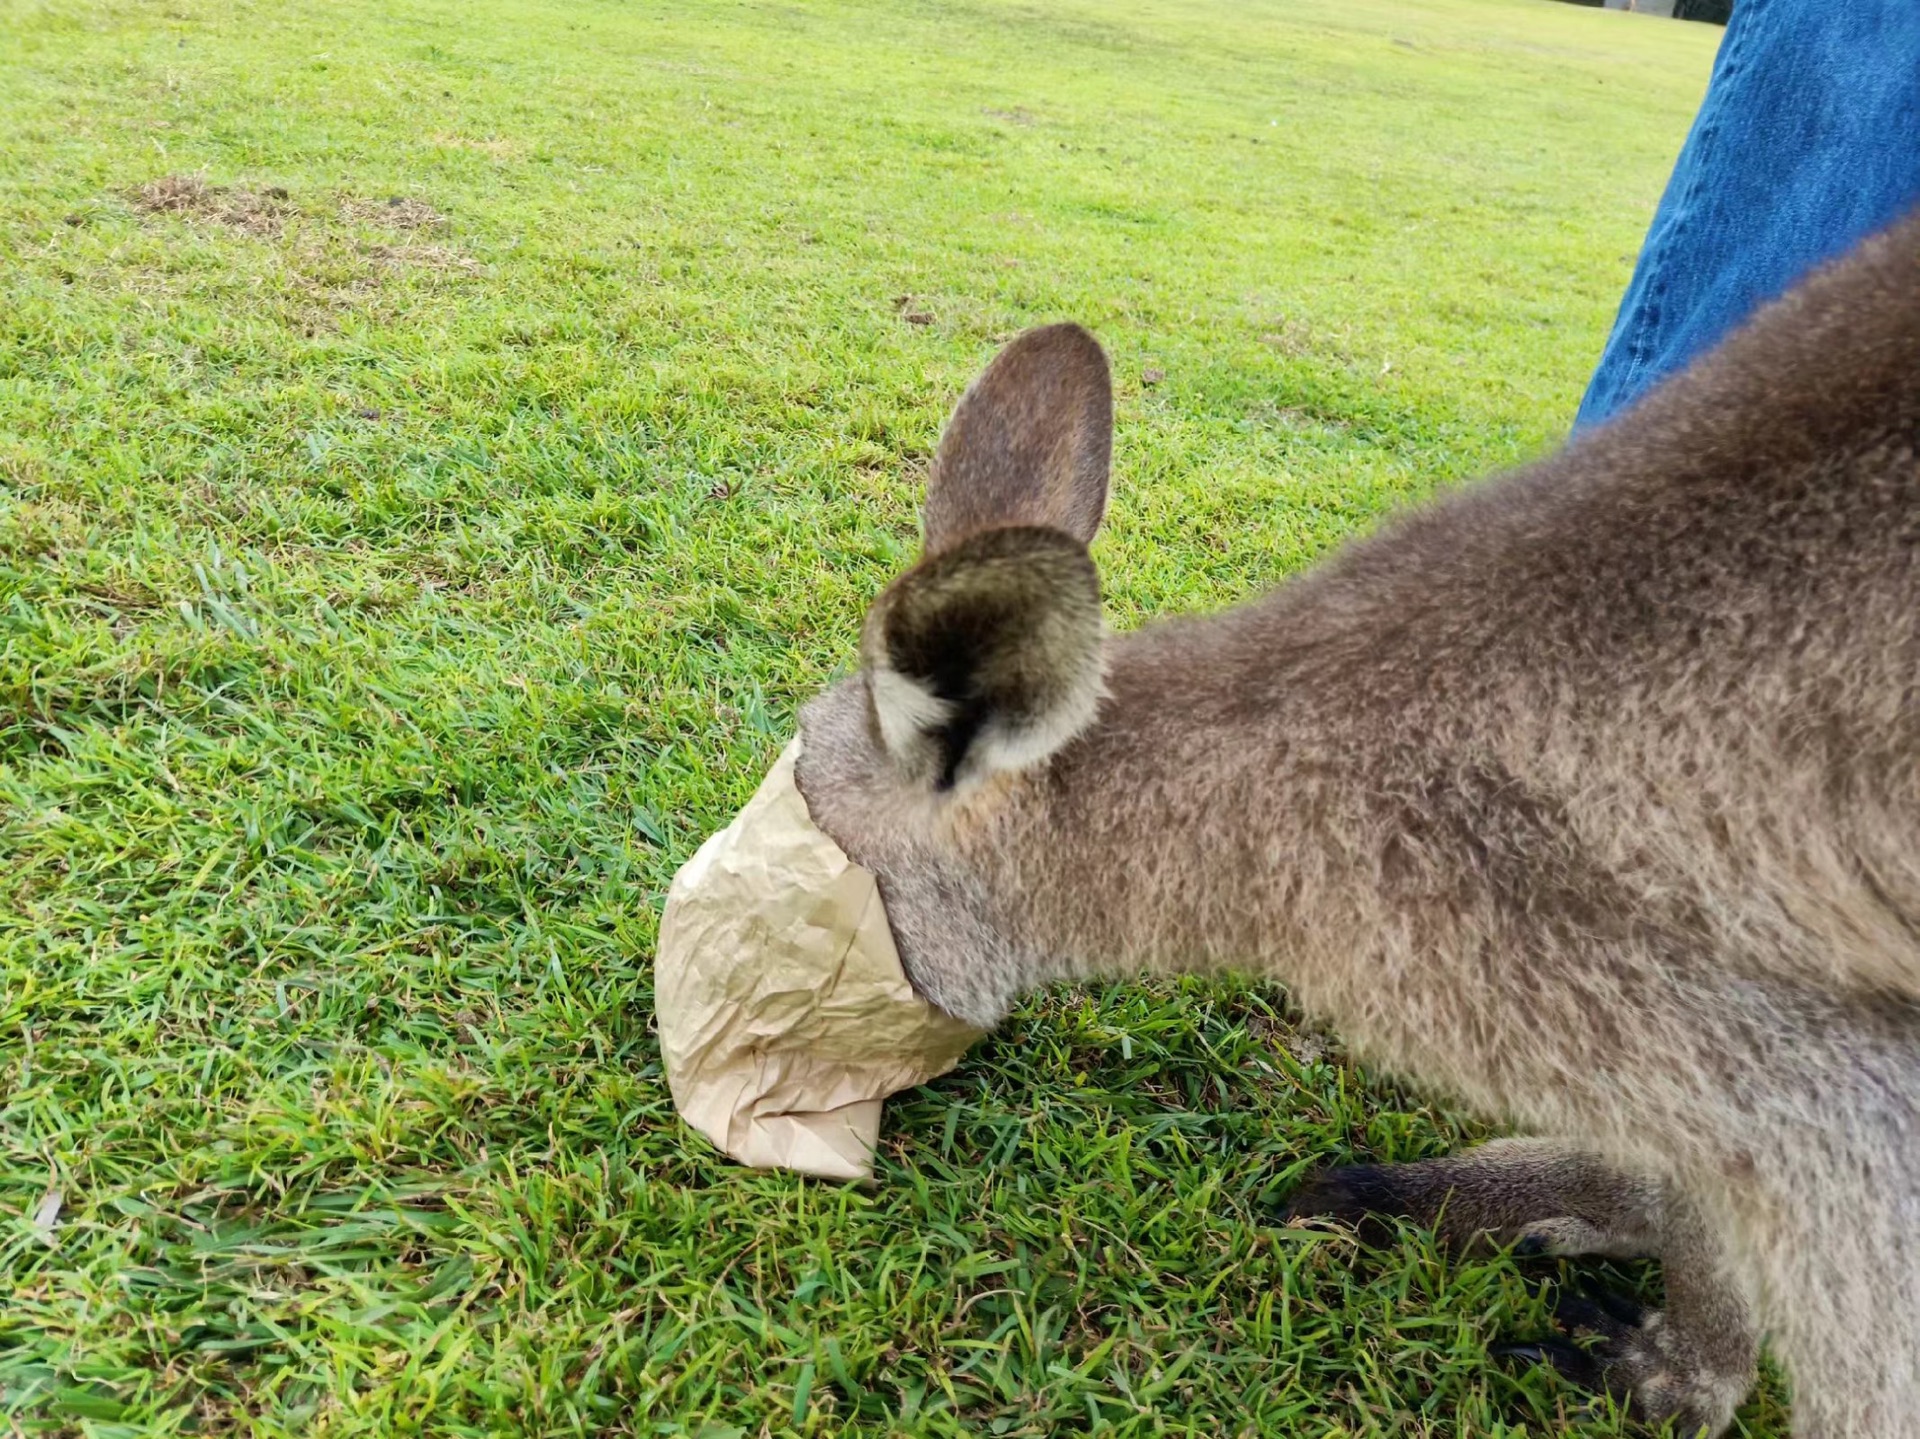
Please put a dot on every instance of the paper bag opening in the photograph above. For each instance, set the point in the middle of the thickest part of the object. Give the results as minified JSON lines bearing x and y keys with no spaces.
{"x":785,"y":1017}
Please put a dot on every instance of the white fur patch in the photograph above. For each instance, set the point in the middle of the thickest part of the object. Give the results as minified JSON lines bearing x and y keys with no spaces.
{"x":1000,"y":746}
{"x":907,"y":711}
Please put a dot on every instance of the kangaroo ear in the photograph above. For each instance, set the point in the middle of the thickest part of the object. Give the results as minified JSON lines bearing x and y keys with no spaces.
{"x":986,"y":656}
{"x":1029,"y":442}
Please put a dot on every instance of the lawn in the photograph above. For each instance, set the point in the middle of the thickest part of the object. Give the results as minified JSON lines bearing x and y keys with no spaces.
{"x":442,"y":443}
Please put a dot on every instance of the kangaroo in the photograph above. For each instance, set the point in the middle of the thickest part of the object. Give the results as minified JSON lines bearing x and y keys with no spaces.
{"x":1589,"y":795}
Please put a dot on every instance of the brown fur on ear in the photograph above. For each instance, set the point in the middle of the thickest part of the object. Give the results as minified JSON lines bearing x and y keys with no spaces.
{"x":987,"y":655}
{"x":1029,"y":442}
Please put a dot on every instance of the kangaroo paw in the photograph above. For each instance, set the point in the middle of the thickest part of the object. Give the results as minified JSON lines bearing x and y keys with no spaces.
{"x":1616,"y":1346}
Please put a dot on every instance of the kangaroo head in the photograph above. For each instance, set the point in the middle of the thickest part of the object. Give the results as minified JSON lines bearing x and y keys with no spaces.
{"x":985,"y":658}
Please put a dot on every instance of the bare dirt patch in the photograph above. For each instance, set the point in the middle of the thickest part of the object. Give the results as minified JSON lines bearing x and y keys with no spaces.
{"x":324,"y":261}
{"x":264,"y":211}
{"x":396,"y":212}
{"x":258,"y":212}
{"x":912,"y":310}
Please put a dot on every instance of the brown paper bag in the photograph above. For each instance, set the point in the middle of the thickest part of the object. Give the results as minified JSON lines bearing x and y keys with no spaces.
{"x":785,"y":1017}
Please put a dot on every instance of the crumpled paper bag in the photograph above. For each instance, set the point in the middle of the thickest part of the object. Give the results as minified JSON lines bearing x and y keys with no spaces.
{"x":785,"y":1018}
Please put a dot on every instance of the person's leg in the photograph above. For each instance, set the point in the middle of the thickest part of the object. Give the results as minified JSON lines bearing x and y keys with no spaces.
{"x":1808,"y":140}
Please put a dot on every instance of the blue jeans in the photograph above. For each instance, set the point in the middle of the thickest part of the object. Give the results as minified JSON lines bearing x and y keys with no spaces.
{"x":1808,"y":141}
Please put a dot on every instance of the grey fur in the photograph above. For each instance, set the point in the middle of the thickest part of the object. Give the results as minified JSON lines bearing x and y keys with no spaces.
{"x":1590,"y":795}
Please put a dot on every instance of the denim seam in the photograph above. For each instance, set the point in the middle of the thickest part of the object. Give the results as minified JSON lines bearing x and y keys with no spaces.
{"x":1650,"y":335}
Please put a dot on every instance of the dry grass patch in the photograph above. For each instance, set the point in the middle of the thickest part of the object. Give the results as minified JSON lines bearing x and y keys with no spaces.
{"x":396,"y":212}
{"x":258,"y":212}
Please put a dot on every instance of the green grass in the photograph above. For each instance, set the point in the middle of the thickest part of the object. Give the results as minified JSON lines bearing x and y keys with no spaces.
{"x":394,"y":593}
